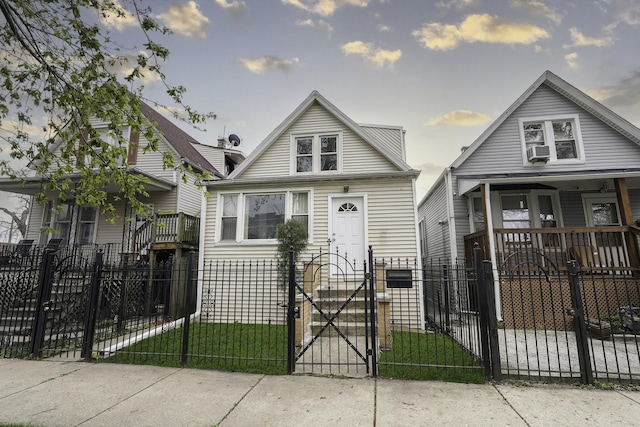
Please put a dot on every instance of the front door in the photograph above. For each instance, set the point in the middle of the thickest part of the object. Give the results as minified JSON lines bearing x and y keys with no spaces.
{"x":602,"y":210}
{"x":347,"y":234}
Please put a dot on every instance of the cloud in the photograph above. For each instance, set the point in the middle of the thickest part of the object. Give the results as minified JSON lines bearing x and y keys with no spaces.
{"x":120,"y":19}
{"x":320,"y":25}
{"x":267,"y":63}
{"x":572,"y":61}
{"x":624,"y":93}
{"x":454,"y":4}
{"x":324,"y":7}
{"x":232,"y":5}
{"x":384,"y":28}
{"x":459,"y":118}
{"x":537,"y":7}
{"x":379,"y":57}
{"x":580,"y":39}
{"x":478,"y":28}
{"x":123,"y":65}
{"x":186,"y":19}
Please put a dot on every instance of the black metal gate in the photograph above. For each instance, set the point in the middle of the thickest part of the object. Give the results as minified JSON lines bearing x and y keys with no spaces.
{"x":332,"y":317}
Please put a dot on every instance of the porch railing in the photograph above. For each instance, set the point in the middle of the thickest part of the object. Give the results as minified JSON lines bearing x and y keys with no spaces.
{"x":167,"y":228}
{"x":613,"y":248}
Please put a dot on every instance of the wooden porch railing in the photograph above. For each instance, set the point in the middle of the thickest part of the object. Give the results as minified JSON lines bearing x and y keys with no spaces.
{"x":167,"y":228}
{"x":597,"y":248}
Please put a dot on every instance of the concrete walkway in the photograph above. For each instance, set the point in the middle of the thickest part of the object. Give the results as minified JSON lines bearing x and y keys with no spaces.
{"x":70,"y":393}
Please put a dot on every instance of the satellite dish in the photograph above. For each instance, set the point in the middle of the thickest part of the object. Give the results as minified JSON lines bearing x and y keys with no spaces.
{"x":234,"y":139}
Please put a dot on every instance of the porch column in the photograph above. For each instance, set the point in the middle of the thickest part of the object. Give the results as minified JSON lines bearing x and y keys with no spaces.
{"x":488,"y":218}
{"x":622,"y":193}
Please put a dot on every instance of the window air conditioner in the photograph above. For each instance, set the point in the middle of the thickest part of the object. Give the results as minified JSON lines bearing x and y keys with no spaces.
{"x":538,"y":153}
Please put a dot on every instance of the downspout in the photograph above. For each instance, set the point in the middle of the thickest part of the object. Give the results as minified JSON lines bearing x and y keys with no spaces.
{"x":453,"y":240}
{"x":492,"y":249}
{"x":417,"y":234}
{"x":203,"y":221}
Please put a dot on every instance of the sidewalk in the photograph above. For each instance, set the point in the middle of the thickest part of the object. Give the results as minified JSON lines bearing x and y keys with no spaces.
{"x":62,"y":393}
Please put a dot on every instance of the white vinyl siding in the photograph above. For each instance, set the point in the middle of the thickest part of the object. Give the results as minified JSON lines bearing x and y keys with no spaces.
{"x":357,"y":155}
{"x":189,"y":196}
{"x":392,"y":138}
{"x":390,"y":214}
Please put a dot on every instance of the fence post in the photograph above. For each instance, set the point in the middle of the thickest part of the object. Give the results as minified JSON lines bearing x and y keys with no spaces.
{"x":494,"y":346}
{"x":447,"y":300}
{"x":291,"y":321}
{"x":188,"y":294}
{"x":43,"y":302}
{"x":579,"y":325}
{"x":373,"y":314}
{"x":484,"y":311}
{"x":92,"y":309}
{"x":123,"y":294}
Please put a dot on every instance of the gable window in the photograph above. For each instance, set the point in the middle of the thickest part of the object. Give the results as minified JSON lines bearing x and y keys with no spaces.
{"x":316,"y":153}
{"x":257,"y":216}
{"x":555,"y":139}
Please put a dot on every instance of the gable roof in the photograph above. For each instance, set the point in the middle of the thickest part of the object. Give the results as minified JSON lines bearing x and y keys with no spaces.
{"x":313,"y":98}
{"x":178,"y":139}
{"x":570,"y":92}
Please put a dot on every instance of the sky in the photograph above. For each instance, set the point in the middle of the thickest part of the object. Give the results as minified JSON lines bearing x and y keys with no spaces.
{"x":444,"y":70}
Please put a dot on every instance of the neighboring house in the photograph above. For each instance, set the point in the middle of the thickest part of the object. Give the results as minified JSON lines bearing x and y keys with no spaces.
{"x":175,"y":204}
{"x":556,"y":177}
{"x":349,"y":184}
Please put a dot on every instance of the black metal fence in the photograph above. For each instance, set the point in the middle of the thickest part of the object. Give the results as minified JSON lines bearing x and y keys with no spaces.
{"x":230,"y":314}
{"x":543,"y":321}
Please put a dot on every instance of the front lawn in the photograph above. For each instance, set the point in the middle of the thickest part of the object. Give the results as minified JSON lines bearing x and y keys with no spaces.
{"x":429,"y":356}
{"x":224,"y":346}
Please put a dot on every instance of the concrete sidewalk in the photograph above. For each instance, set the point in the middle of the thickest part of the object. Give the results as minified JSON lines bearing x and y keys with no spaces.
{"x":63,"y":393}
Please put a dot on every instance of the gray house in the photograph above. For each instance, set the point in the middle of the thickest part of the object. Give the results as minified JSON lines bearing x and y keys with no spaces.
{"x":556,"y":177}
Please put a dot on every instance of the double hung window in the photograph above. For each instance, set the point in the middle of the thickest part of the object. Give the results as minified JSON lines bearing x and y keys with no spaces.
{"x":316,"y":153}
{"x":561,"y":136}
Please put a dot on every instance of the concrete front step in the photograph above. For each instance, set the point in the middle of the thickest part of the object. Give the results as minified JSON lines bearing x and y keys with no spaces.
{"x":331,"y":304}
{"x":340,"y":293}
{"x":350,"y":330}
{"x":344,"y":316}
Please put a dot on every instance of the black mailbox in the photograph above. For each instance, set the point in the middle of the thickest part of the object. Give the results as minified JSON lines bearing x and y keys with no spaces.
{"x":399,"y":278}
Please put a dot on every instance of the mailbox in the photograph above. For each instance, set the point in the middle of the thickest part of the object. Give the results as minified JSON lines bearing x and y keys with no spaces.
{"x":399,"y":278}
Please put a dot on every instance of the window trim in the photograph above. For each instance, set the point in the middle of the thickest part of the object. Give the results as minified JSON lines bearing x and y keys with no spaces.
{"x":316,"y":152}
{"x":240,"y":219}
{"x":532,"y":202}
{"x":548,"y":138}
{"x":74,"y":223}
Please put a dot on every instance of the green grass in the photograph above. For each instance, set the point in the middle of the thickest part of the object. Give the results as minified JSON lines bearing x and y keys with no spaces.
{"x":234,"y":347}
{"x":430,"y":356}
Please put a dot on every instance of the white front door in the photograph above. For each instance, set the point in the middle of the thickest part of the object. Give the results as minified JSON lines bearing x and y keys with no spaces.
{"x":347,"y":234}
{"x":602,"y":210}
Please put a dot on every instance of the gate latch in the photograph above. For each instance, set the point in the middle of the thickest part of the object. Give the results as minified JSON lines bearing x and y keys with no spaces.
{"x":571,"y":311}
{"x":296,"y":312}
{"x":46,"y":306}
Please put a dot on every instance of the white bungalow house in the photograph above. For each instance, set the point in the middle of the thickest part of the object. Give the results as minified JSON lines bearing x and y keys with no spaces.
{"x":556,"y":177}
{"x":348,"y":183}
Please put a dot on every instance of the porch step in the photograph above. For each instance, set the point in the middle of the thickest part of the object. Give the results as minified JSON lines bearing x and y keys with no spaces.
{"x":340,"y":293}
{"x":347,"y":315}
{"x":351,"y":329}
{"x":333,"y":304}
